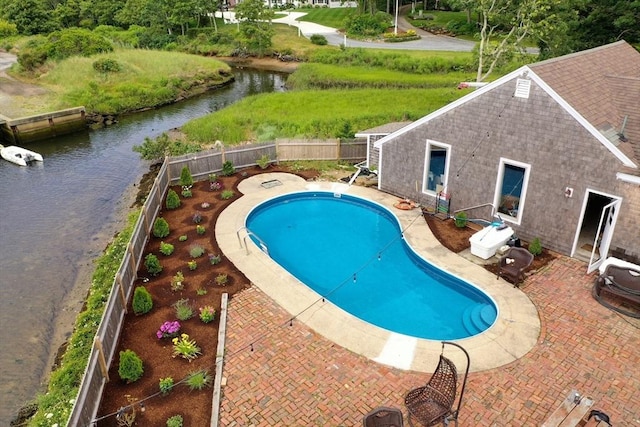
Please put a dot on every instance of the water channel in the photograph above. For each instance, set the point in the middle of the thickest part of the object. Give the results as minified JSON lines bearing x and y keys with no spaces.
{"x":58,"y":216}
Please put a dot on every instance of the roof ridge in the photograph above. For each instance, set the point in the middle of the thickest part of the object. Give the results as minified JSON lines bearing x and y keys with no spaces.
{"x":578,"y":54}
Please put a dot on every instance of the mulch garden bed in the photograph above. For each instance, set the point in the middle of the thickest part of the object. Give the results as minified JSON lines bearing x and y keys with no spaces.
{"x":456,"y":239}
{"x":139,"y":332}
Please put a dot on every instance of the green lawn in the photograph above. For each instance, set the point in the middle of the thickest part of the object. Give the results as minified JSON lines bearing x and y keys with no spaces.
{"x":330,"y":17}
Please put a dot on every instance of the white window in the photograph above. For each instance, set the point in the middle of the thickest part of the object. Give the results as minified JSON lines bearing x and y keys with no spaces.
{"x":436,"y":170}
{"x":511,"y":189}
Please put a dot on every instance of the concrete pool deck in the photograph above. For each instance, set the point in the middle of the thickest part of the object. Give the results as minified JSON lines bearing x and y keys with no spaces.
{"x":513,"y":334}
{"x":277,"y":374}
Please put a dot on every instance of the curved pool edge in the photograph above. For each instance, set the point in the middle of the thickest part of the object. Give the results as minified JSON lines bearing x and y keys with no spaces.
{"x":514,"y":333}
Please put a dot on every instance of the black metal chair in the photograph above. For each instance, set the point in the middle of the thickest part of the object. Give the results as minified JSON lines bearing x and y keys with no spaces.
{"x":383,"y":417}
{"x":434,"y":402}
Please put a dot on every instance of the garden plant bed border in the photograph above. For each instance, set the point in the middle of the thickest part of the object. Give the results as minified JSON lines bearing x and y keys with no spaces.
{"x":456,"y":239}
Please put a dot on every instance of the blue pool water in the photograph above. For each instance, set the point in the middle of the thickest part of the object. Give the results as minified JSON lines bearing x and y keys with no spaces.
{"x":351,"y":252}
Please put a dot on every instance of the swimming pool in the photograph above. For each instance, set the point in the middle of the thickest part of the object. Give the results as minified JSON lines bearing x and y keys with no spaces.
{"x":351,"y":251}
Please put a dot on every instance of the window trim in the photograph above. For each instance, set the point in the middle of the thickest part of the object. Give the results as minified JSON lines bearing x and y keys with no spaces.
{"x":427,"y":159}
{"x":523,"y":195}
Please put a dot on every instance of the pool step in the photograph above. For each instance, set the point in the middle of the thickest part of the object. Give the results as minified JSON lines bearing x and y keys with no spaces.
{"x":478,"y":318}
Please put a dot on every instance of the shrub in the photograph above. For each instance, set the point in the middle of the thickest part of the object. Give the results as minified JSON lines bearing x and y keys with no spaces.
{"x":161,"y":228}
{"x":227,"y":168}
{"x":166,"y":248}
{"x":318,"y":39}
{"x":197,"y":217}
{"x":130,"y":367}
{"x":186,"y":191}
{"x":177,"y":282}
{"x":168,"y":329}
{"x":199,"y":379}
{"x":107,"y":65}
{"x":77,"y":41}
{"x":263,"y":162}
{"x":184,"y":311}
{"x":461,"y":219}
{"x":152,"y":264}
{"x":366,"y":24}
{"x":185,"y":348}
{"x":185,"y":177}
{"x":215,"y":186}
{"x":172,"y":201}
{"x":7,"y":29}
{"x":201,"y":291}
{"x":142,"y":301}
{"x":183,"y":238}
{"x":213,"y":177}
{"x":227,"y":194}
{"x":174,"y":421}
{"x":222,"y":279}
{"x":535,"y":247}
{"x":166,"y":384}
{"x":196,"y":251}
{"x":214,"y":259}
{"x":205,"y":205}
{"x":200,"y":229}
{"x":207,"y":313}
{"x":192,"y":264}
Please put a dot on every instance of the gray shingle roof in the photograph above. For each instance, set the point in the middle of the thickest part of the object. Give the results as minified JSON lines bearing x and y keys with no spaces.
{"x":603,"y":85}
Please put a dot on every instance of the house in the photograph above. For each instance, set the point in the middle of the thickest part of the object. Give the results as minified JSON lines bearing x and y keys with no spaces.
{"x":553,"y":148}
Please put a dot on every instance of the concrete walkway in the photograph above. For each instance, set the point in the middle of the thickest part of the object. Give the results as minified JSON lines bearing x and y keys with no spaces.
{"x":512,"y":336}
{"x":281,"y":374}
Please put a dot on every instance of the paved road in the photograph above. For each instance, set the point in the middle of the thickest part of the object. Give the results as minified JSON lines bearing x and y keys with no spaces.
{"x":427,"y":41}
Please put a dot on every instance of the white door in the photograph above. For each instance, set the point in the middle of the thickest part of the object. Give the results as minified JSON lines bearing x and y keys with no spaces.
{"x":604,"y":234}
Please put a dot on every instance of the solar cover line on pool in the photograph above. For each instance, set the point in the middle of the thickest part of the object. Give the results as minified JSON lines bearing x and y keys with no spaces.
{"x":330,"y":244}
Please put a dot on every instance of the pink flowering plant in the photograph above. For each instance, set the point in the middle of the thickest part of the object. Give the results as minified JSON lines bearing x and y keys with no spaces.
{"x":207,"y":313}
{"x":168,"y":329}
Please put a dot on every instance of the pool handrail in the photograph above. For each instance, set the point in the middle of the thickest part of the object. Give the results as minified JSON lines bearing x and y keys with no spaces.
{"x":493,"y":209}
{"x":262,"y":245}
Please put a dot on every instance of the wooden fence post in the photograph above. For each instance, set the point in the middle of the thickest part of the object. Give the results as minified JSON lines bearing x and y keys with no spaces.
{"x":123,"y":294}
{"x":102,"y":361}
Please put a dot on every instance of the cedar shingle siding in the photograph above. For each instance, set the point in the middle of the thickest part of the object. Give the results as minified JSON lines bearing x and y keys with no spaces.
{"x":538,"y":131}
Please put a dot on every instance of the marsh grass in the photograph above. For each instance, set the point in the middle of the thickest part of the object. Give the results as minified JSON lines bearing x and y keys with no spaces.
{"x":323,"y":76}
{"x":148,"y":78}
{"x":315,"y":114}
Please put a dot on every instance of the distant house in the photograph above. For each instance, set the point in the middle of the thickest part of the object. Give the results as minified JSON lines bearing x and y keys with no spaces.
{"x":553,"y":148}
{"x":298,"y":3}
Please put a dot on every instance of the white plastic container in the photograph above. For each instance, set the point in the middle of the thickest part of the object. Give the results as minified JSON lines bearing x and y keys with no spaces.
{"x":486,"y":242}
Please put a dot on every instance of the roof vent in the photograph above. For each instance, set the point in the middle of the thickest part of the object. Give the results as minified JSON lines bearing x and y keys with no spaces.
{"x":523,"y":86}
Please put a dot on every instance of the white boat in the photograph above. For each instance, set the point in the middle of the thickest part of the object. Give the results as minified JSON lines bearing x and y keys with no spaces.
{"x":19,"y":156}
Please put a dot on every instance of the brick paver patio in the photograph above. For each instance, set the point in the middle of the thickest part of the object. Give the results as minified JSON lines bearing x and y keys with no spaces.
{"x":279,"y":374}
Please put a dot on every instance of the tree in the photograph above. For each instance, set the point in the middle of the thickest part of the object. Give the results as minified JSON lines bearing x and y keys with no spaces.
{"x":29,"y":16}
{"x":510,"y":22}
{"x":606,"y":21}
{"x":255,"y":26}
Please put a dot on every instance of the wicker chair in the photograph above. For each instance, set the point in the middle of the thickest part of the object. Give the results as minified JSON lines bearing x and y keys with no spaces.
{"x":433,"y":403}
{"x":383,"y":417}
{"x":513,"y":265}
{"x":623,"y":284}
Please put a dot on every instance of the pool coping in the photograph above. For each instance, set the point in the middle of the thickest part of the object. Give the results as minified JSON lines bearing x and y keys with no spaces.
{"x":514,"y":333}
